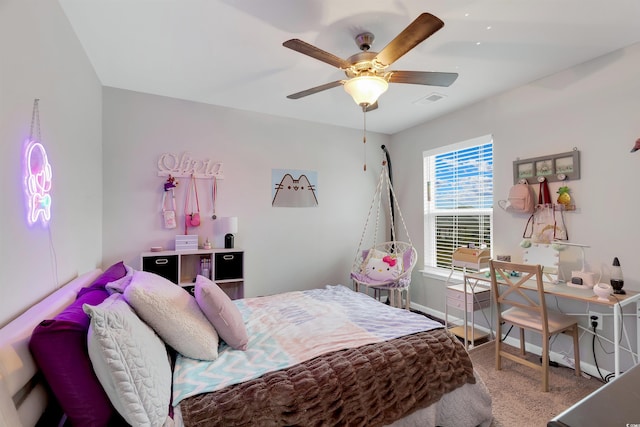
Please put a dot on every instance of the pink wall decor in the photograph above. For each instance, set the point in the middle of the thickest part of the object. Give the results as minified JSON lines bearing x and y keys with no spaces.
{"x":37,"y":182}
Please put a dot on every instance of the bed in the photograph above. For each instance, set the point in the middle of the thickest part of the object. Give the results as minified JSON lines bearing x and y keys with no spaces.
{"x":378,"y":365}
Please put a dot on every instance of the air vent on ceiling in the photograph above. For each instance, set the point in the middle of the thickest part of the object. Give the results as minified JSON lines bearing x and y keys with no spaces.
{"x":432,"y":97}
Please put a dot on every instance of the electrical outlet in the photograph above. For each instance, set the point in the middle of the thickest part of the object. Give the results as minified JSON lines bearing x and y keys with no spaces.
{"x":594,"y":316}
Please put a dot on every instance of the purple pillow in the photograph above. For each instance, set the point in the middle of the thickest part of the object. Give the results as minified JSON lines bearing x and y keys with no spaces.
{"x":406,"y":259}
{"x":222,"y":313}
{"x":113,"y":273}
{"x":59,"y":347}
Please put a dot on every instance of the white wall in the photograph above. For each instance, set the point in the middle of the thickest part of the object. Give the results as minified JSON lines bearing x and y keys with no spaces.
{"x":593,"y":107}
{"x":285,"y":248}
{"x":42,"y":58}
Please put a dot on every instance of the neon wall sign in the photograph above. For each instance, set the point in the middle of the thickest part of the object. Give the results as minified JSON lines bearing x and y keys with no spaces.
{"x":37,"y":182}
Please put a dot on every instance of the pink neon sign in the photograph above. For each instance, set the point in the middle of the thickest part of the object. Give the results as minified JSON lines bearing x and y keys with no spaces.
{"x":37,"y":182}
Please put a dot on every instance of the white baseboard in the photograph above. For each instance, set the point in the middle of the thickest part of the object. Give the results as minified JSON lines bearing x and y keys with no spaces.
{"x":586,"y":368}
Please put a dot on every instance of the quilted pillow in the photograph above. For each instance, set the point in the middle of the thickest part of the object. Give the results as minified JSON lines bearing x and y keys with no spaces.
{"x":59,"y":347}
{"x":221,"y":312}
{"x":130,"y":361}
{"x":174,"y":314}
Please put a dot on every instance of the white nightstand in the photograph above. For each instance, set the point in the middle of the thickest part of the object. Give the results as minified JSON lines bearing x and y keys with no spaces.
{"x":470,"y":295}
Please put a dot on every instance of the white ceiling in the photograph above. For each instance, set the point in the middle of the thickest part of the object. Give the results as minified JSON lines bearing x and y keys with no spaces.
{"x":230,"y":53}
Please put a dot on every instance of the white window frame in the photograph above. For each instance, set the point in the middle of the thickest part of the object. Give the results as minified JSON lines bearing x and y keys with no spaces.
{"x":430,"y":212}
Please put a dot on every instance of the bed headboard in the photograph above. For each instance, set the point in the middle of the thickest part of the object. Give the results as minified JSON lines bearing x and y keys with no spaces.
{"x":22,"y":399}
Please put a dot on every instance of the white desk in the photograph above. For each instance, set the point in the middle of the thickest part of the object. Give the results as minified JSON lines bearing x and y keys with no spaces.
{"x":562,"y":290}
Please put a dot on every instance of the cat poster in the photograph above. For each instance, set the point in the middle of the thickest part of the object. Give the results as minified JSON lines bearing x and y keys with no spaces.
{"x":294,"y":188}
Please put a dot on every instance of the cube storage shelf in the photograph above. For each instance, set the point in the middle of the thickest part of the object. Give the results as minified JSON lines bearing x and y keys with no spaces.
{"x":225,"y":267}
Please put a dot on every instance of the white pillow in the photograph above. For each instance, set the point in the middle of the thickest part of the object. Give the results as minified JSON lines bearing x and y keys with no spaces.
{"x":174,"y":314}
{"x":130,"y":361}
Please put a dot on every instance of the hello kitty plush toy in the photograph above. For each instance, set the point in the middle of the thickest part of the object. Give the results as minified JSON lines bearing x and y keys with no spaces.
{"x":383,"y":269}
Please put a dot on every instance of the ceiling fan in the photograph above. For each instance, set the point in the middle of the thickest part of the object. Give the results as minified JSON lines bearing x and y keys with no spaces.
{"x":367,"y":72}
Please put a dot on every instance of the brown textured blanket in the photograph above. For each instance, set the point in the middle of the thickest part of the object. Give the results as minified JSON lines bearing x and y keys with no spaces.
{"x":372,"y":385}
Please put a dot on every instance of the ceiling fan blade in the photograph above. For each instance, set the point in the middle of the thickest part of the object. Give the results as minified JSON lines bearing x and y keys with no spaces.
{"x":429,"y":78}
{"x":317,"y":53}
{"x":315,"y":89}
{"x":424,"y":26}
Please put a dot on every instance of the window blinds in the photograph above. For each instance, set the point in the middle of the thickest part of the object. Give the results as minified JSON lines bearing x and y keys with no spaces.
{"x":458,"y":200}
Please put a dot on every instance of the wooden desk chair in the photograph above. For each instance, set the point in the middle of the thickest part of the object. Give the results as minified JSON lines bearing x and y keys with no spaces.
{"x":515,"y":306}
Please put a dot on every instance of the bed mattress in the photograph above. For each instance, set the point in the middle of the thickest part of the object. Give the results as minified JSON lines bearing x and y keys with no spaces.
{"x":372,"y":385}
{"x":323,"y":357}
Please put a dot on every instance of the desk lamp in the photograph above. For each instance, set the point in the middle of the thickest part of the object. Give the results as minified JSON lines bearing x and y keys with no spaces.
{"x":229,"y":227}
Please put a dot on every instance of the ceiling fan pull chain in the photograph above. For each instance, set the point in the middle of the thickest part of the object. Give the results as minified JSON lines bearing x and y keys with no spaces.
{"x":364,"y":136}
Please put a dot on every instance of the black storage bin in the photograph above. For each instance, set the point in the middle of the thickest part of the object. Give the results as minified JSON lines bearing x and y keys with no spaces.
{"x":165,"y":266}
{"x":228,"y":265}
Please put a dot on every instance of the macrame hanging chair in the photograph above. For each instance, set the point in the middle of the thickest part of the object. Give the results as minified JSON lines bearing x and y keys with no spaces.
{"x":385,"y":265}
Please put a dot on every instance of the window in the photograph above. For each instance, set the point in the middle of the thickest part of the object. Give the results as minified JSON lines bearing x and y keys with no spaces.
{"x":458,"y":199}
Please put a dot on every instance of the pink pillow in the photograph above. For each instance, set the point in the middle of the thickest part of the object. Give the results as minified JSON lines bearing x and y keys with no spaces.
{"x":221,"y":312}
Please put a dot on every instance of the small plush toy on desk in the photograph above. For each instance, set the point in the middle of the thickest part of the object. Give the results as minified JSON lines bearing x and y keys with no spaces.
{"x":499,"y":275}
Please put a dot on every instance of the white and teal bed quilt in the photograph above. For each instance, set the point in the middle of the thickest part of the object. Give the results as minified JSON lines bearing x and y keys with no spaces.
{"x":290,"y":328}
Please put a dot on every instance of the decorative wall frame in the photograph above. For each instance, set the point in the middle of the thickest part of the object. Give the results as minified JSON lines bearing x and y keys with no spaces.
{"x":556,"y":167}
{"x":294,"y":188}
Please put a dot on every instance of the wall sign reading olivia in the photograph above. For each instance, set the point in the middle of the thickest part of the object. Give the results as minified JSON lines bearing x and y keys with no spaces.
{"x":557,"y":167}
{"x":185,"y":166}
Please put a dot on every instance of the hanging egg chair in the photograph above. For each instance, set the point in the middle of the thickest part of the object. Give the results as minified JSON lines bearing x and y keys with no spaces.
{"x":384,"y":265}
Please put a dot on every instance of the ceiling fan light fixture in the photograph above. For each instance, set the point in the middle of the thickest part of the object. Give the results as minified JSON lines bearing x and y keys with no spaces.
{"x":365,"y":90}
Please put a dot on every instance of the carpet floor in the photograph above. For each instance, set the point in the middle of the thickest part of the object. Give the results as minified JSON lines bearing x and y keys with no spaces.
{"x":515,"y":390}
